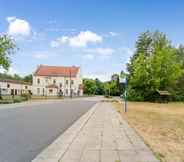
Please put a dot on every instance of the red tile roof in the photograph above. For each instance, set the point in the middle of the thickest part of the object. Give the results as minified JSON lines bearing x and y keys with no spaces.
{"x":44,"y":70}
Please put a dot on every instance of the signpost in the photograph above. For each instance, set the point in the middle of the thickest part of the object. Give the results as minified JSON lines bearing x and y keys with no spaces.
{"x":125,"y":95}
{"x":123,"y":79}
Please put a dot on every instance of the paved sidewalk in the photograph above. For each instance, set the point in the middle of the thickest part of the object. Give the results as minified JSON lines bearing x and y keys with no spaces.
{"x":101,"y":135}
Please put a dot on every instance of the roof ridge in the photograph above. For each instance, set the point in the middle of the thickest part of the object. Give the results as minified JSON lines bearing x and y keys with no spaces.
{"x":47,"y":70}
{"x":59,"y":66}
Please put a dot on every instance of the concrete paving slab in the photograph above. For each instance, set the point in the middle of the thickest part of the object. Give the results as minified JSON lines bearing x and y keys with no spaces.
{"x":101,"y":135}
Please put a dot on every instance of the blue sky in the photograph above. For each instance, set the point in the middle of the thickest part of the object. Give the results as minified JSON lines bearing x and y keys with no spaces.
{"x":98,"y":35}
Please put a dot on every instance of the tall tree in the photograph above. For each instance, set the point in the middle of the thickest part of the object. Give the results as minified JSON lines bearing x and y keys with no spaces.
{"x":154,"y":67}
{"x":99,"y":87}
{"x":28,"y":78}
{"x":89,"y":86}
{"x":7,"y":47}
{"x":179,"y":88}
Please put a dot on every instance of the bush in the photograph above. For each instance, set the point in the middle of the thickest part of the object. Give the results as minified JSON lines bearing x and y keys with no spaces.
{"x":133,"y":95}
{"x":27,"y":96}
{"x":15,"y":99}
{"x":18,"y":99}
{"x":6,"y":101}
{"x":108,"y":96}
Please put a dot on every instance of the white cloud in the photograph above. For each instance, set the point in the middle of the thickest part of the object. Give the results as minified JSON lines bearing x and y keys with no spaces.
{"x":10,"y":71}
{"x":40,"y":55}
{"x":127,"y":51}
{"x":64,"y":39}
{"x":103,"y":52}
{"x":54,"y":44}
{"x":11,"y":18}
{"x":113,"y":34}
{"x":83,"y":38}
{"x":103,"y":76}
{"x":80,"y":40}
{"x":18,"y":27}
{"x":88,"y":57}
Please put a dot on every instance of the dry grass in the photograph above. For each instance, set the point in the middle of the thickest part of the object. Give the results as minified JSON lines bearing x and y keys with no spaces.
{"x":161,"y":126}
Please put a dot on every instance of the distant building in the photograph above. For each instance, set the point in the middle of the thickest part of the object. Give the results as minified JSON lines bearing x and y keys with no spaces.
{"x":14,"y":87}
{"x":57,"y":80}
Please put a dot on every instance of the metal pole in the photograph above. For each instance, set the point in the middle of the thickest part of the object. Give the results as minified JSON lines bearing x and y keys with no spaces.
{"x":126,"y":106}
{"x":70,"y":85}
{"x":0,"y":93}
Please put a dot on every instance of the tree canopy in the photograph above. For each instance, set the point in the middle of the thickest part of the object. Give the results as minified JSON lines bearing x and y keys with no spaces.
{"x":27,"y":78}
{"x":97,"y":87}
{"x":7,"y":47}
{"x":154,"y":66}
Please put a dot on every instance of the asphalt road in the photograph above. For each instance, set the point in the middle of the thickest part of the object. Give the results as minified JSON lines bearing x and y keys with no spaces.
{"x":25,"y":131}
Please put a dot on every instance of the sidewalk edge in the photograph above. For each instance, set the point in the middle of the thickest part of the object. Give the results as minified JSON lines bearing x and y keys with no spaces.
{"x":57,"y":149}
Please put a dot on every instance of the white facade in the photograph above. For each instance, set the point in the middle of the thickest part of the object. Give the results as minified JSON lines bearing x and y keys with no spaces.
{"x":11,"y":87}
{"x":57,"y":85}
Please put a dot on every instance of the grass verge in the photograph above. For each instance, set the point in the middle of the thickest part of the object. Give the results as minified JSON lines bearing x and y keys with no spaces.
{"x":160,"y":125}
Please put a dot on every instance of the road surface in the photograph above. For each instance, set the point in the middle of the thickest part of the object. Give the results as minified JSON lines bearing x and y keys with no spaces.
{"x":26,"y":130}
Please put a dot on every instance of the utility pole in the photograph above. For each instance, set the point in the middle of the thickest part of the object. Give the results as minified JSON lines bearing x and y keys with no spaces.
{"x":70,"y":85}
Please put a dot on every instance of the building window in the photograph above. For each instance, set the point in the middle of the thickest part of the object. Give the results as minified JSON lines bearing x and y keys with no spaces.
{"x":50,"y":90}
{"x":38,"y":91}
{"x":46,"y":80}
{"x":54,"y":81}
{"x":60,"y":85}
{"x":43,"y":91}
{"x":25,"y":87}
{"x":67,"y":82}
{"x":66,"y":91}
{"x":38,"y":81}
{"x":72,"y":82}
{"x":8,"y":85}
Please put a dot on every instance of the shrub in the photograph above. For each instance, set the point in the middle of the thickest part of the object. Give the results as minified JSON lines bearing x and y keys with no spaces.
{"x":133,"y":95}
{"x":6,"y":101}
{"x":19,"y":99}
{"x":107,"y":96}
{"x":27,"y":96}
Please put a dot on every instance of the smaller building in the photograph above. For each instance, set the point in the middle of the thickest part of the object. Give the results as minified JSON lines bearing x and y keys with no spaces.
{"x":14,"y":87}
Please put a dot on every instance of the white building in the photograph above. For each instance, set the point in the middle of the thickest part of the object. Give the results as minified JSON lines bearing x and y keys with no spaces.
{"x":14,"y":87}
{"x":57,"y":80}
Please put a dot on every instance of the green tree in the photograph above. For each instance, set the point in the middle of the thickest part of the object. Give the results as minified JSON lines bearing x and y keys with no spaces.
{"x":28,"y":78}
{"x":107,"y":88}
{"x":17,"y":77}
{"x":154,"y":67}
{"x":99,"y":87}
{"x":179,"y":88}
{"x":111,"y":88}
{"x":7,"y":47}
{"x":143,"y":46}
{"x":89,"y":86}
